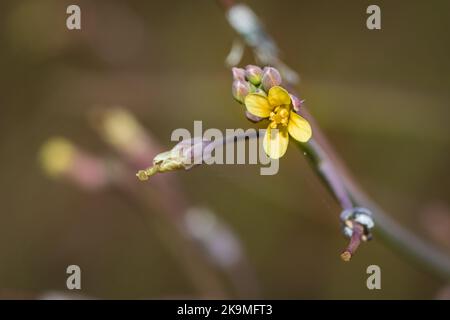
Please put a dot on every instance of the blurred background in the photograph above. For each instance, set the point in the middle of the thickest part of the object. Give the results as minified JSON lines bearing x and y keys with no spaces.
{"x":380,"y":96}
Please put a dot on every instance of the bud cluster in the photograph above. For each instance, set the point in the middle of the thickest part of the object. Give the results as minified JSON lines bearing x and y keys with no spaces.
{"x":253,"y":79}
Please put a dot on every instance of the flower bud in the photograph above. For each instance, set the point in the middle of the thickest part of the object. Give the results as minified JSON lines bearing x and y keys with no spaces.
{"x":271,"y":77}
{"x":253,"y":74}
{"x":238,"y":74}
{"x":296,"y":103}
{"x":240,"y":89}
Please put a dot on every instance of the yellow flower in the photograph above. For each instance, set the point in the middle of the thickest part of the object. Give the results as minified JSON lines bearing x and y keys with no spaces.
{"x":277,"y":107}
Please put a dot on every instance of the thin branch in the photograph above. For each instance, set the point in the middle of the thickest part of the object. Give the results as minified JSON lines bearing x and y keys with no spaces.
{"x":355,"y":241}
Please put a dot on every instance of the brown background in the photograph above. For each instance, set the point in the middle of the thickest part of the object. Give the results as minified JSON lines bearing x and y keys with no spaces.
{"x":381,"y":96}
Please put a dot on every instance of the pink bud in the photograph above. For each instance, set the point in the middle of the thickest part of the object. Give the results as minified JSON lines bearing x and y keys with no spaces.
{"x":238,"y":74}
{"x":253,"y":74}
{"x":271,"y":77}
{"x":296,"y":103}
{"x":240,"y":89}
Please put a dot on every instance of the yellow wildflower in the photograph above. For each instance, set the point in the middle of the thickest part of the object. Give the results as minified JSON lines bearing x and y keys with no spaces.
{"x":277,"y":107}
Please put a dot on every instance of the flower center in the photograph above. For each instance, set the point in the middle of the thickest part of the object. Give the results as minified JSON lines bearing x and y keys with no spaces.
{"x":279,"y":116}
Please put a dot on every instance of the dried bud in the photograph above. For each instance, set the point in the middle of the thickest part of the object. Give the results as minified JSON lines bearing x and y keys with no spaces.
{"x":238,"y":74}
{"x":163,"y":162}
{"x":271,"y":77}
{"x":296,"y":103}
{"x":190,"y":150}
{"x":240,"y":89}
{"x":184,"y":155}
{"x":253,"y":74}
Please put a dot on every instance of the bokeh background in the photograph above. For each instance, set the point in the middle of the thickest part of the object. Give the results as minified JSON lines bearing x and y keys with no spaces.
{"x":380,"y":96}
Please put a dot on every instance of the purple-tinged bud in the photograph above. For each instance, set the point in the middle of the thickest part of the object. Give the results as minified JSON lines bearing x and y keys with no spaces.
{"x":296,"y":103}
{"x":238,"y":74}
{"x":271,"y":77}
{"x":184,"y":155}
{"x":240,"y":89}
{"x":252,"y":117}
{"x":253,"y":74}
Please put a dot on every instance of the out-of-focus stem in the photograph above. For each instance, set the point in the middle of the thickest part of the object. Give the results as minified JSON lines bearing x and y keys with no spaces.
{"x":206,"y":280}
{"x":335,"y":175}
{"x":137,"y":146}
{"x":60,"y":158}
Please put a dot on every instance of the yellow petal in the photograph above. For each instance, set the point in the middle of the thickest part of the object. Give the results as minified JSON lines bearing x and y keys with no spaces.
{"x":275,"y":142}
{"x":299,"y":128}
{"x":258,"y":105}
{"x":278,"y":96}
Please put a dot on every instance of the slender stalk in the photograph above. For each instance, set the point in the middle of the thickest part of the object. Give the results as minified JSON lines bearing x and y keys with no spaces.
{"x":355,"y":241}
{"x":335,"y":175}
{"x":324,"y":168}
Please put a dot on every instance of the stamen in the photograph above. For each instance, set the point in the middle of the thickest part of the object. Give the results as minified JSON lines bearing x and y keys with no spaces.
{"x":272,"y":115}
{"x":280,"y":115}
